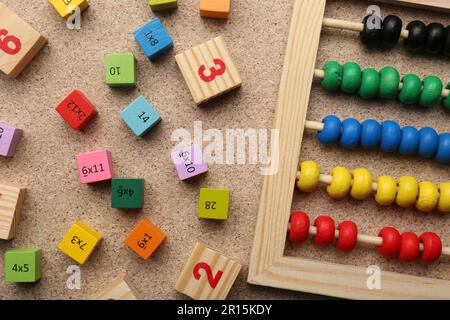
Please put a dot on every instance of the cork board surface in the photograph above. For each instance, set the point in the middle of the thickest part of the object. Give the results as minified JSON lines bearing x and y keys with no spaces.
{"x":256,"y":35}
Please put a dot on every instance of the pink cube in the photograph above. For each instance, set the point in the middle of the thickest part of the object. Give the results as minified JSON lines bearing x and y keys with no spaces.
{"x":189,"y":162}
{"x":9,"y":139}
{"x":95,"y":166}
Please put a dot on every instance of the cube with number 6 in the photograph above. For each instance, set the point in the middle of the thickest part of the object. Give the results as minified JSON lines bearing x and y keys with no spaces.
{"x":140,"y":116}
{"x":189,"y":162}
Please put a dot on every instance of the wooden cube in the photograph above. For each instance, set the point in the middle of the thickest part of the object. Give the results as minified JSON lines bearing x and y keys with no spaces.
{"x":120,"y":69}
{"x":208,"y":275}
{"x":19,"y":42}
{"x":23,"y":265}
{"x":66,"y":7}
{"x":214,"y":204}
{"x":9,"y":139}
{"x":189,"y":162}
{"x":153,"y":38}
{"x":95,"y":166}
{"x":127,"y":193}
{"x":76,"y":110}
{"x":118,"y":289}
{"x":145,"y":239}
{"x":80,"y":242}
{"x":140,"y":116}
{"x":11,"y":201}
{"x":158,"y":5}
{"x":209,"y":70}
{"x":218,"y":9}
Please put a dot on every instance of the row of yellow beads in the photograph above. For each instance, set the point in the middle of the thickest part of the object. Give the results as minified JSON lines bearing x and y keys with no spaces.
{"x":406,"y":193}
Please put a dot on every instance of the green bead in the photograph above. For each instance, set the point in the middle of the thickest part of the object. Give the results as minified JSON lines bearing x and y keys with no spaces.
{"x":431,"y":91}
{"x":351,"y":77}
{"x":390,"y":81}
{"x":411,"y":90}
{"x":370,"y":84}
{"x":446,"y":101}
{"x":23,"y":265}
{"x":127,"y":193}
{"x":333,"y":76}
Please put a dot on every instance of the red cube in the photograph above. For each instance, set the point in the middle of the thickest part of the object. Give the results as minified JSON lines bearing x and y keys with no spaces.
{"x":76,"y":110}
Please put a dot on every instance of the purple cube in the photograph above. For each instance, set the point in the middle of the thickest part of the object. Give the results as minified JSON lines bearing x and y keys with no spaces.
{"x":189,"y":162}
{"x":9,"y":138}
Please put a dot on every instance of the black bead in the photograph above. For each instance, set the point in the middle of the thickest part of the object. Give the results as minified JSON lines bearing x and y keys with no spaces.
{"x":435,"y":38}
{"x":370,"y":37}
{"x":446,"y":46}
{"x":417,"y":35}
{"x":392,"y":27}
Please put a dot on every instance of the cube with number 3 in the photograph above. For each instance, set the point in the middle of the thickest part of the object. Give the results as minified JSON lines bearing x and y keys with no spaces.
{"x":208,"y":275}
{"x":209,"y":70}
{"x":140,"y":116}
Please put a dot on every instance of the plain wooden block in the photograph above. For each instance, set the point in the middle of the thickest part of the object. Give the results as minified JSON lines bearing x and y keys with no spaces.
{"x":219,"y":9}
{"x":23,"y":265}
{"x":9,"y":139}
{"x":77,"y":110}
{"x":11,"y":201}
{"x":153,"y":38}
{"x":140,"y":116}
{"x":80,"y":242}
{"x":118,"y":289}
{"x":213,"y":204}
{"x":19,"y":42}
{"x":66,"y":7}
{"x":95,"y":166}
{"x":208,"y":275}
{"x":209,"y":70}
{"x":145,"y":239}
{"x":189,"y":162}
{"x":158,"y":5}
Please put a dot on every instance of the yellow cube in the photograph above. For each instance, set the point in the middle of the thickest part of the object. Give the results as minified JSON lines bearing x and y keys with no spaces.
{"x":80,"y":242}
{"x":65,"y":7}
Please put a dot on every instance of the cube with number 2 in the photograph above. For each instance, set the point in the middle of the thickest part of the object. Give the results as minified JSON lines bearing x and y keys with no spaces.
{"x":140,"y":116}
{"x":189,"y":162}
{"x":208,"y":275}
{"x":145,"y":239}
{"x":214,"y":204}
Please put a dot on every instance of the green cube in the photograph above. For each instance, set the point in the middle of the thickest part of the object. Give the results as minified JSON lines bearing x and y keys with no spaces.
{"x":127,"y":193}
{"x":157,"y":5}
{"x":120,"y":69}
{"x":214,"y":204}
{"x":23,"y":265}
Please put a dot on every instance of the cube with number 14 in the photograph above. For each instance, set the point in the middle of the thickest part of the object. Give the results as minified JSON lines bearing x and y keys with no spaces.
{"x":140,"y":116}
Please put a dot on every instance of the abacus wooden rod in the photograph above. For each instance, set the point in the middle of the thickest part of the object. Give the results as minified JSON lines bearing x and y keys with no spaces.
{"x":372,"y":240}
{"x":320,"y":74}
{"x":352,"y":26}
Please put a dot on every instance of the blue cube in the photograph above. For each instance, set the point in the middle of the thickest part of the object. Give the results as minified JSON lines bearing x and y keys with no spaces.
{"x":153,"y":38}
{"x":140,"y":116}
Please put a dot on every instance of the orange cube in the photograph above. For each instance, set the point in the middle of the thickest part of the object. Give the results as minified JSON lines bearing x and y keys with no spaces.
{"x":145,"y":238}
{"x":219,"y":9}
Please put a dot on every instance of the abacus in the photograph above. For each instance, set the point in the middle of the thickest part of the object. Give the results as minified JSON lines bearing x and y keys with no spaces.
{"x":269,"y":266}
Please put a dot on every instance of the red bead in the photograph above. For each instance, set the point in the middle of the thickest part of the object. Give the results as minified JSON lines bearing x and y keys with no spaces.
{"x":392,"y":242}
{"x":410,"y":247}
{"x":348,"y":236}
{"x":325,"y":231}
{"x":76,"y":110}
{"x":432,"y":247}
{"x":299,"y":230}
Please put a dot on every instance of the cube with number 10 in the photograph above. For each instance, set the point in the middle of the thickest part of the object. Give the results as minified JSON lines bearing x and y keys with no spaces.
{"x":189,"y":162}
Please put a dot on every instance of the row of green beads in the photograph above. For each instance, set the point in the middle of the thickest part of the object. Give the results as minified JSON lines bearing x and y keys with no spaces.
{"x":370,"y":83}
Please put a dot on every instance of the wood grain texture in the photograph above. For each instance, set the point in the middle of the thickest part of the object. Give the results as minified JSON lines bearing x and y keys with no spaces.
{"x":11,"y":201}
{"x":118,"y":289}
{"x":201,"y":289}
{"x":190,"y":61}
{"x":439,"y":5}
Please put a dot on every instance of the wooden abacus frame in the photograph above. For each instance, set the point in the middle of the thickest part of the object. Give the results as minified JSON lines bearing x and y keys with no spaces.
{"x":268,"y":264}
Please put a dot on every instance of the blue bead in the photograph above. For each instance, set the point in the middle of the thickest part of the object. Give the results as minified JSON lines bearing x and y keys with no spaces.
{"x":351,"y":133}
{"x":410,"y":141}
{"x":429,"y":142}
{"x":443,"y":153}
{"x":331,"y":130}
{"x":391,"y":136}
{"x":370,"y":134}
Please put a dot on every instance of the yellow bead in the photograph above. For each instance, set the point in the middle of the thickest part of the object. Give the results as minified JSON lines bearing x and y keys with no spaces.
{"x":444,"y":199}
{"x":386,"y":191}
{"x":362,"y":183}
{"x":408,"y":189}
{"x":309,"y":176}
{"x":340,"y":183}
{"x":428,"y":197}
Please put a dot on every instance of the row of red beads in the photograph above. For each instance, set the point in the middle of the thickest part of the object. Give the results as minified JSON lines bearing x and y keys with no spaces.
{"x":405,"y":246}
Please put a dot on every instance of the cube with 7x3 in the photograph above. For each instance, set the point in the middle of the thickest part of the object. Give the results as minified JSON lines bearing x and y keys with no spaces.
{"x":140,"y":116}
